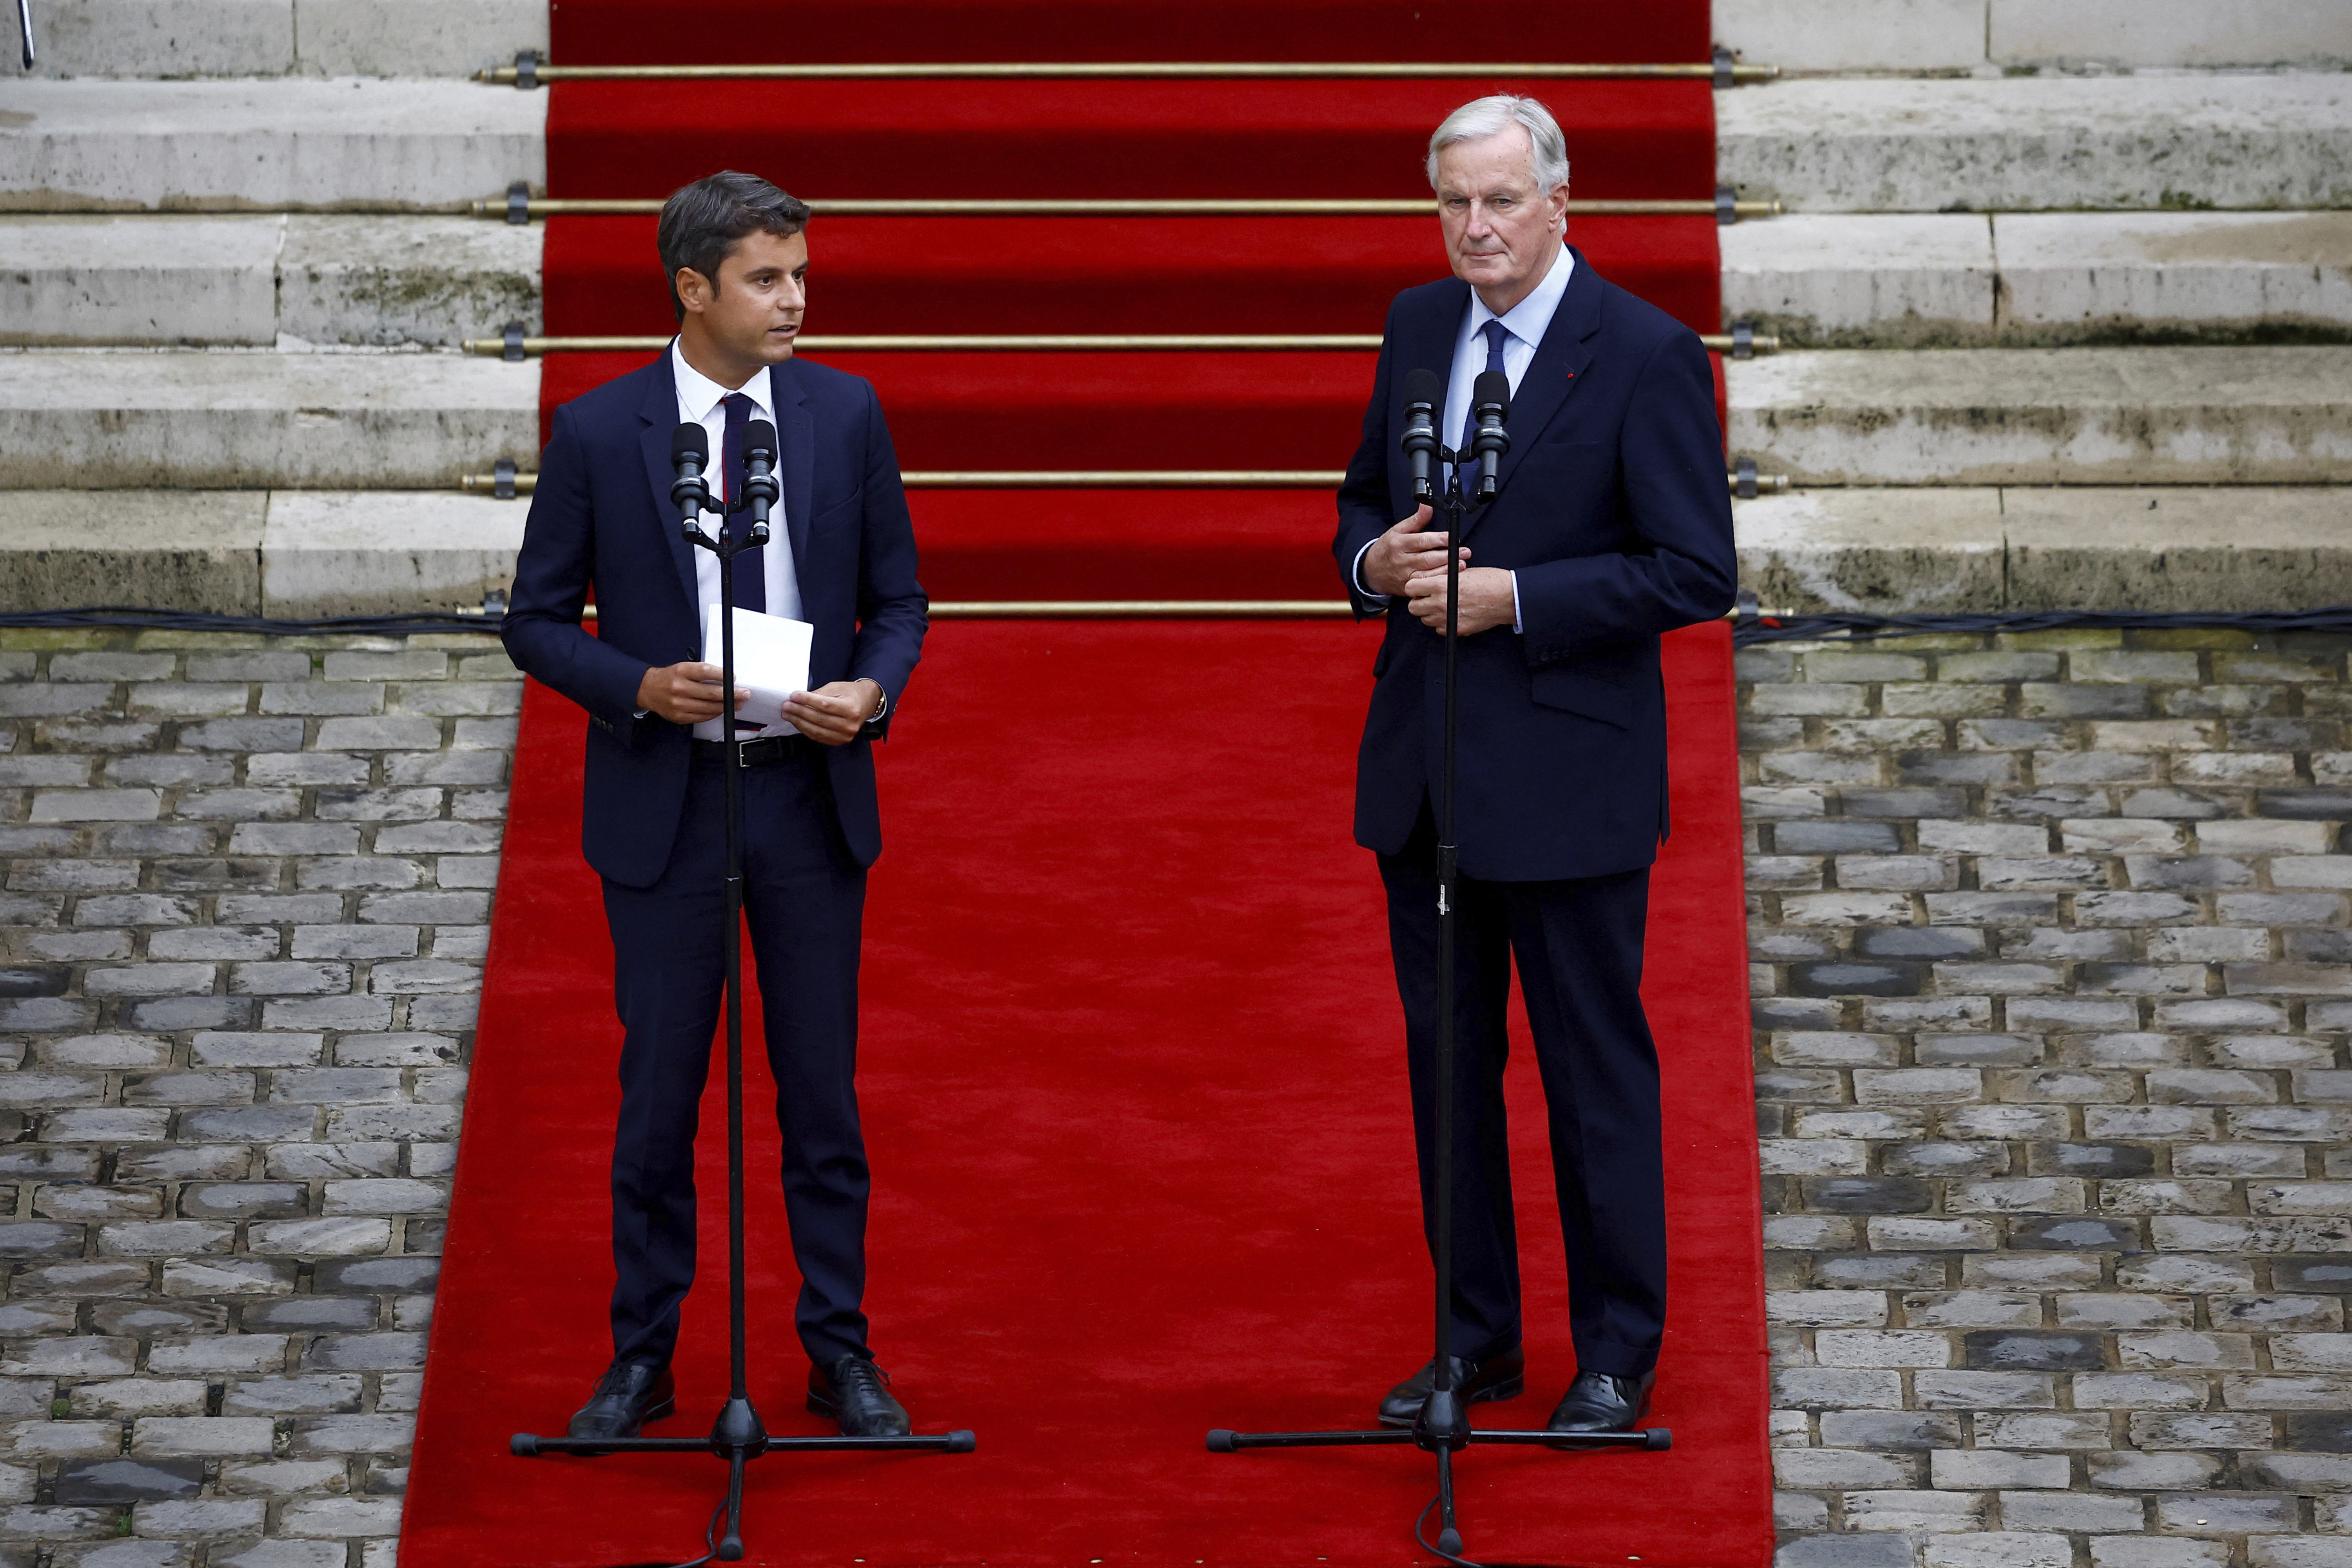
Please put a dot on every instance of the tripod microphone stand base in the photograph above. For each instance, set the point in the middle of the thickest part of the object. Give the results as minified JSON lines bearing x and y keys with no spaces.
{"x":1445,"y":1439}
{"x":1655,"y":1439}
{"x":737,"y":1438}
{"x":529,"y":1447}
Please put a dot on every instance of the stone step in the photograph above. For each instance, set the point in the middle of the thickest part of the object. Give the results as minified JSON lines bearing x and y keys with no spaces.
{"x":279,"y":37}
{"x":2042,"y":143}
{"x":372,"y":280}
{"x":312,"y":553}
{"x":347,"y":143}
{"x":1962,"y":35}
{"x":1927,"y":281}
{"x":2007,"y":548}
{"x":218,"y":420}
{"x":2086,"y":415}
{"x":298,"y":554}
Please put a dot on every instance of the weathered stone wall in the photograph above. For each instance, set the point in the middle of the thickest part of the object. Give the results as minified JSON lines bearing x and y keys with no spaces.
{"x":2050,"y":991}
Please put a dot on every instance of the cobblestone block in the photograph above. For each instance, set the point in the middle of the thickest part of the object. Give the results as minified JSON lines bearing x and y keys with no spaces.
{"x":200,"y":1517}
{"x":2128,"y":1471}
{"x":1924,"y":1512}
{"x":1971,"y":1470}
{"x":1985,"y":1391}
{"x":117,"y":1481}
{"x":1998,"y":1549}
{"x":2297,"y":1551}
{"x":1877,"y":1551}
{"x":340,"y":1518}
{"x":2071,"y":1511}
{"x":2225,"y":1513}
{"x":201,"y":1436}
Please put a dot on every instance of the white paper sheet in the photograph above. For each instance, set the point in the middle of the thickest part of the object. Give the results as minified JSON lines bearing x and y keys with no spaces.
{"x":771,"y":659}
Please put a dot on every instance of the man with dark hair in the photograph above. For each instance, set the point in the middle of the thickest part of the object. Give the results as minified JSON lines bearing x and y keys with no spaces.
{"x":841,"y":556}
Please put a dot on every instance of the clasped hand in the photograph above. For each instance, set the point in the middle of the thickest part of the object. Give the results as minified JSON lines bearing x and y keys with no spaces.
{"x":1409,"y":561}
{"x":689,"y":693}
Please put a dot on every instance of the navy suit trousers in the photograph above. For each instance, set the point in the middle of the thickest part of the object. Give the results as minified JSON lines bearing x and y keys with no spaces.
{"x":804,"y":901}
{"x":1578,"y":942}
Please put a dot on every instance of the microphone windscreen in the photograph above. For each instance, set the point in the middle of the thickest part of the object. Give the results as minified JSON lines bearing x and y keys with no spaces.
{"x":1422,"y":386}
{"x":760,"y":437}
{"x":1492,"y":386}
{"x":689,"y":440}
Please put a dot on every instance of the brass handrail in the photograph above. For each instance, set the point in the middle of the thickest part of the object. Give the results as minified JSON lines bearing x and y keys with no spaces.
{"x":1141,"y":342}
{"x":523,"y":211}
{"x":1182,"y":70}
{"x":1104,"y":480}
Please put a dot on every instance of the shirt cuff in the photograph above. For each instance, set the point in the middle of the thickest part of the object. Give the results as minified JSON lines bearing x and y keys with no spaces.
{"x":1355,"y":575}
{"x":1519,"y":621}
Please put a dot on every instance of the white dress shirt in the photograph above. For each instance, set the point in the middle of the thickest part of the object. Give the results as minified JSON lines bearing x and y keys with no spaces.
{"x":1524,"y":325}
{"x":702,"y":401}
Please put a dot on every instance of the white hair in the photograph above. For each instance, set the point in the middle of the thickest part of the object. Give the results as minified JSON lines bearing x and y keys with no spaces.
{"x":1485,"y":117}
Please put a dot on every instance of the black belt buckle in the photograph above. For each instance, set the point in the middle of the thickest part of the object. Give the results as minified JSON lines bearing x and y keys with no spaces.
{"x":756,"y":752}
{"x":767,"y":749}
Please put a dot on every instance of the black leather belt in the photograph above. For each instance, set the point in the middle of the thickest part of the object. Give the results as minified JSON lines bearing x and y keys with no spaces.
{"x":760,"y":752}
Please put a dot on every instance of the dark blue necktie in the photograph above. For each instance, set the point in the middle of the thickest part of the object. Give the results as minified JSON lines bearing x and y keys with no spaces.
{"x":1495,"y":333}
{"x":751,"y":571}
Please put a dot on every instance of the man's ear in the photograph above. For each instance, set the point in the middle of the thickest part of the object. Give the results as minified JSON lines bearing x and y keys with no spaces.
{"x":694,"y":290}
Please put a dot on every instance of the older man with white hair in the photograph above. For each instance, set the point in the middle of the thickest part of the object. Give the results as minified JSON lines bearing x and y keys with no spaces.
{"x":1612,"y":526}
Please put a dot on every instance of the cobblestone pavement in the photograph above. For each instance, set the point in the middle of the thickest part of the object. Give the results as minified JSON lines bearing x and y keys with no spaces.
{"x":2052,"y":964}
{"x":246,"y":893}
{"x":2052,"y":981}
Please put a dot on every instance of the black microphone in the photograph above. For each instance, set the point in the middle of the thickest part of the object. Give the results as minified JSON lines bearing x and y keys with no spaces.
{"x":1490,"y":404}
{"x":759,"y":478}
{"x":689,"y":454}
{"x":1425,"y":393}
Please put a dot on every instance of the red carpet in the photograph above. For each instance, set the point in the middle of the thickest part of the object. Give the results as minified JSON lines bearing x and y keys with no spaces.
{"x":1157,"y":139}
{"x":1109,"y":275}
{"x":1274,"y":138}
{"x":673,"y":32}
{"x":1135,"y":1095}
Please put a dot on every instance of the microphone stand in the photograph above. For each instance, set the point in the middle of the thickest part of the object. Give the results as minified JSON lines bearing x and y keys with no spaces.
{"x":738,"y":1435}
{"x":1443,"y":1428}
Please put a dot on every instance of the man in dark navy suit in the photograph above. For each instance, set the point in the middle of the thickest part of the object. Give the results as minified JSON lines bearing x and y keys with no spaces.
{"x":841,"y":557}
{"x":1613,"y":524}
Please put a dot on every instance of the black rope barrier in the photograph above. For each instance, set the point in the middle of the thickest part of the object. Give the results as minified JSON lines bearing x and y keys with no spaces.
{"x":1750,"y":625}
{"x":101,"y":617}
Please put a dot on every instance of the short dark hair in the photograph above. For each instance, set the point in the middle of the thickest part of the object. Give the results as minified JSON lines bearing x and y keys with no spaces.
{"x":701,"y":222}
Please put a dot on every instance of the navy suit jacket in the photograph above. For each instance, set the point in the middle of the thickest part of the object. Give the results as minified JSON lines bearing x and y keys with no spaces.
{"x":602,"y":516}
{"x":1613,"y":511}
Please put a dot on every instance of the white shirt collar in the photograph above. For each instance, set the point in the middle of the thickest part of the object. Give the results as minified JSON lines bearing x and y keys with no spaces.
{"x":1527,"y":319}
{"x":698,"y":395}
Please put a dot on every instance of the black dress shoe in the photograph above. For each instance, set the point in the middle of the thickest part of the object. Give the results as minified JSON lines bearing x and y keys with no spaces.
{"x":1499,"y":1376}
{"x":1598,"y":1402}
{"x":626,"y":1397}
{"x":854,"y":1392}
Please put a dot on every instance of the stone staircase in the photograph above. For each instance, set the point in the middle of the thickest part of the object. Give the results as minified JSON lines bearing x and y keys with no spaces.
{"x":234,"y":257}
{"x":2065,"y":287}
{"x":235,"y":267}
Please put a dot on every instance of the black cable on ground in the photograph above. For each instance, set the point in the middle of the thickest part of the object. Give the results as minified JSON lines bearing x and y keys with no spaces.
{"x":1749,"y":627}
{"x":1752,"y":627}
{"x":1419,"y":1527}
{"x":102,"y":617}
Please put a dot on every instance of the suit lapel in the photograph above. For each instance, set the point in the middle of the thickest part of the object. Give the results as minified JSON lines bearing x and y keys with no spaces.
{"x":796,"y":439}
{"x":659,"y":412}
{"x":1562,"y":360}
